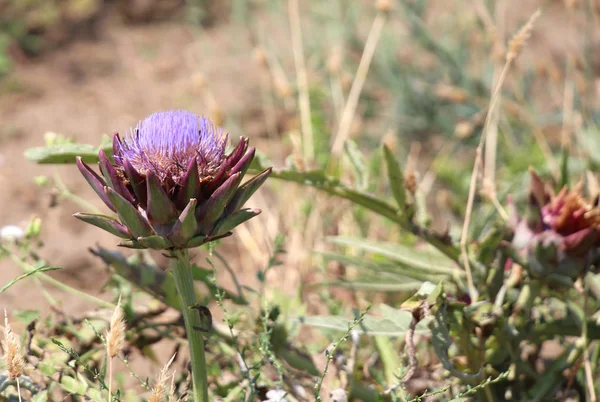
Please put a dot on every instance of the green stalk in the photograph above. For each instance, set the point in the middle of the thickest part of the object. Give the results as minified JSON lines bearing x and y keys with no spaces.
{"x":182,"y":271}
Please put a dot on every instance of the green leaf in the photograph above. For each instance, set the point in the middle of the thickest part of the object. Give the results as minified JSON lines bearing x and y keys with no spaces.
{"x":65,"y":153}
{"x":25,"y":316}
{"x":153,"y":280}
{"x":33,"y":272}
{"x":378,"y":266}
{"x":47,"y":369}
{"x":428,"y":260}
{"x":442,"y":343}
{"x":95,"y":395}
{"x":40,"y":397}
{"x":73,"y":386}
{"x":389,"y":357}
{"x":373,"y":286}
{"x":319,"y":180}
{"x":393,"y":323}
{"x":395,"y":177}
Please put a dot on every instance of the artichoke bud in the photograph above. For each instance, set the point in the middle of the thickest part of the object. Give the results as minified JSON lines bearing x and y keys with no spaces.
{"x":558,"y":233}
{"x":172,"y":183}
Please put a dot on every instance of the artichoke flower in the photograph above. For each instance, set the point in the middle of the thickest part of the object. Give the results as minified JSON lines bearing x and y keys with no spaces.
{"x":560,"y":232}
{"x":172,"y":184}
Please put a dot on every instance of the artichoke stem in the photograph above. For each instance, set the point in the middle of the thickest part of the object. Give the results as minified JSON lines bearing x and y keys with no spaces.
{"x":182,"y":271}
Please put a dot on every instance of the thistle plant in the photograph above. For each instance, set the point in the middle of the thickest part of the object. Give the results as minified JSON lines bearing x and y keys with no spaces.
{"x":174,"y":187}
{"x":560,"y":233}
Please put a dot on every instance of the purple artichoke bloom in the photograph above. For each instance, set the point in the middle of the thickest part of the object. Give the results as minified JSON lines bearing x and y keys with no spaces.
{"x":172,"y":184}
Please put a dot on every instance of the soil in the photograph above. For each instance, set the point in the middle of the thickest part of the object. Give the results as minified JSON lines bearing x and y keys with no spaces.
{"x":91,"y":88}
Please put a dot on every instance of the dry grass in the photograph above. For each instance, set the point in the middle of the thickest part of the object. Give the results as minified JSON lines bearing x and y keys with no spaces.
{"x":115,"y":341}
{"x":11,"y":345}
{"x":159,"y":391}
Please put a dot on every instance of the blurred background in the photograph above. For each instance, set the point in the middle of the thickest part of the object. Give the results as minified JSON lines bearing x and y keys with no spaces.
{"x":81,"y":69}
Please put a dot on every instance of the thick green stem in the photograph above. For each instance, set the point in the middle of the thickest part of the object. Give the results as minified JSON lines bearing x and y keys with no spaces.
{"x":182,"y":271}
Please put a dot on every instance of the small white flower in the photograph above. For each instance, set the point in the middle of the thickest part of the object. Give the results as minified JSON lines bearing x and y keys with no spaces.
{"x":276,"y":395}
{"x":11,"y":233}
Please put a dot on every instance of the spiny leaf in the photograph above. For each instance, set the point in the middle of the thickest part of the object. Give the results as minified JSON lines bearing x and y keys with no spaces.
{"x":393,"y":323}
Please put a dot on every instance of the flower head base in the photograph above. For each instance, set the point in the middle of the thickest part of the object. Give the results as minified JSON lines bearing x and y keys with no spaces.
{"x":560,"y":232}
{"x":172,"y":183}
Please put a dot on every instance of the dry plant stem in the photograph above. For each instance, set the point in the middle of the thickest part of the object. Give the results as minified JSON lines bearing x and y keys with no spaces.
{"x":357,"y":84}
{"x":514,"y":48}
{"x":491,"y":147}
{"x":301,"y":82}
{"x":182,"y":272}
{"x":471,"y":198}
{"x":409,"y":340}
{"x":19,"y":389}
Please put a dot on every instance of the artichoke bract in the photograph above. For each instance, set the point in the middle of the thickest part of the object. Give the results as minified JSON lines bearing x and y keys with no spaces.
{"x":172,"y":184}
{"x":560,"y":232}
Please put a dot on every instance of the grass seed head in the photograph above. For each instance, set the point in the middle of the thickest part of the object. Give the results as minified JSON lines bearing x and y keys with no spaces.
{"x":115,"y":337}
{"x":518,"y":41}
{"x":159,"y":392}
{"x":12,"y":351}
